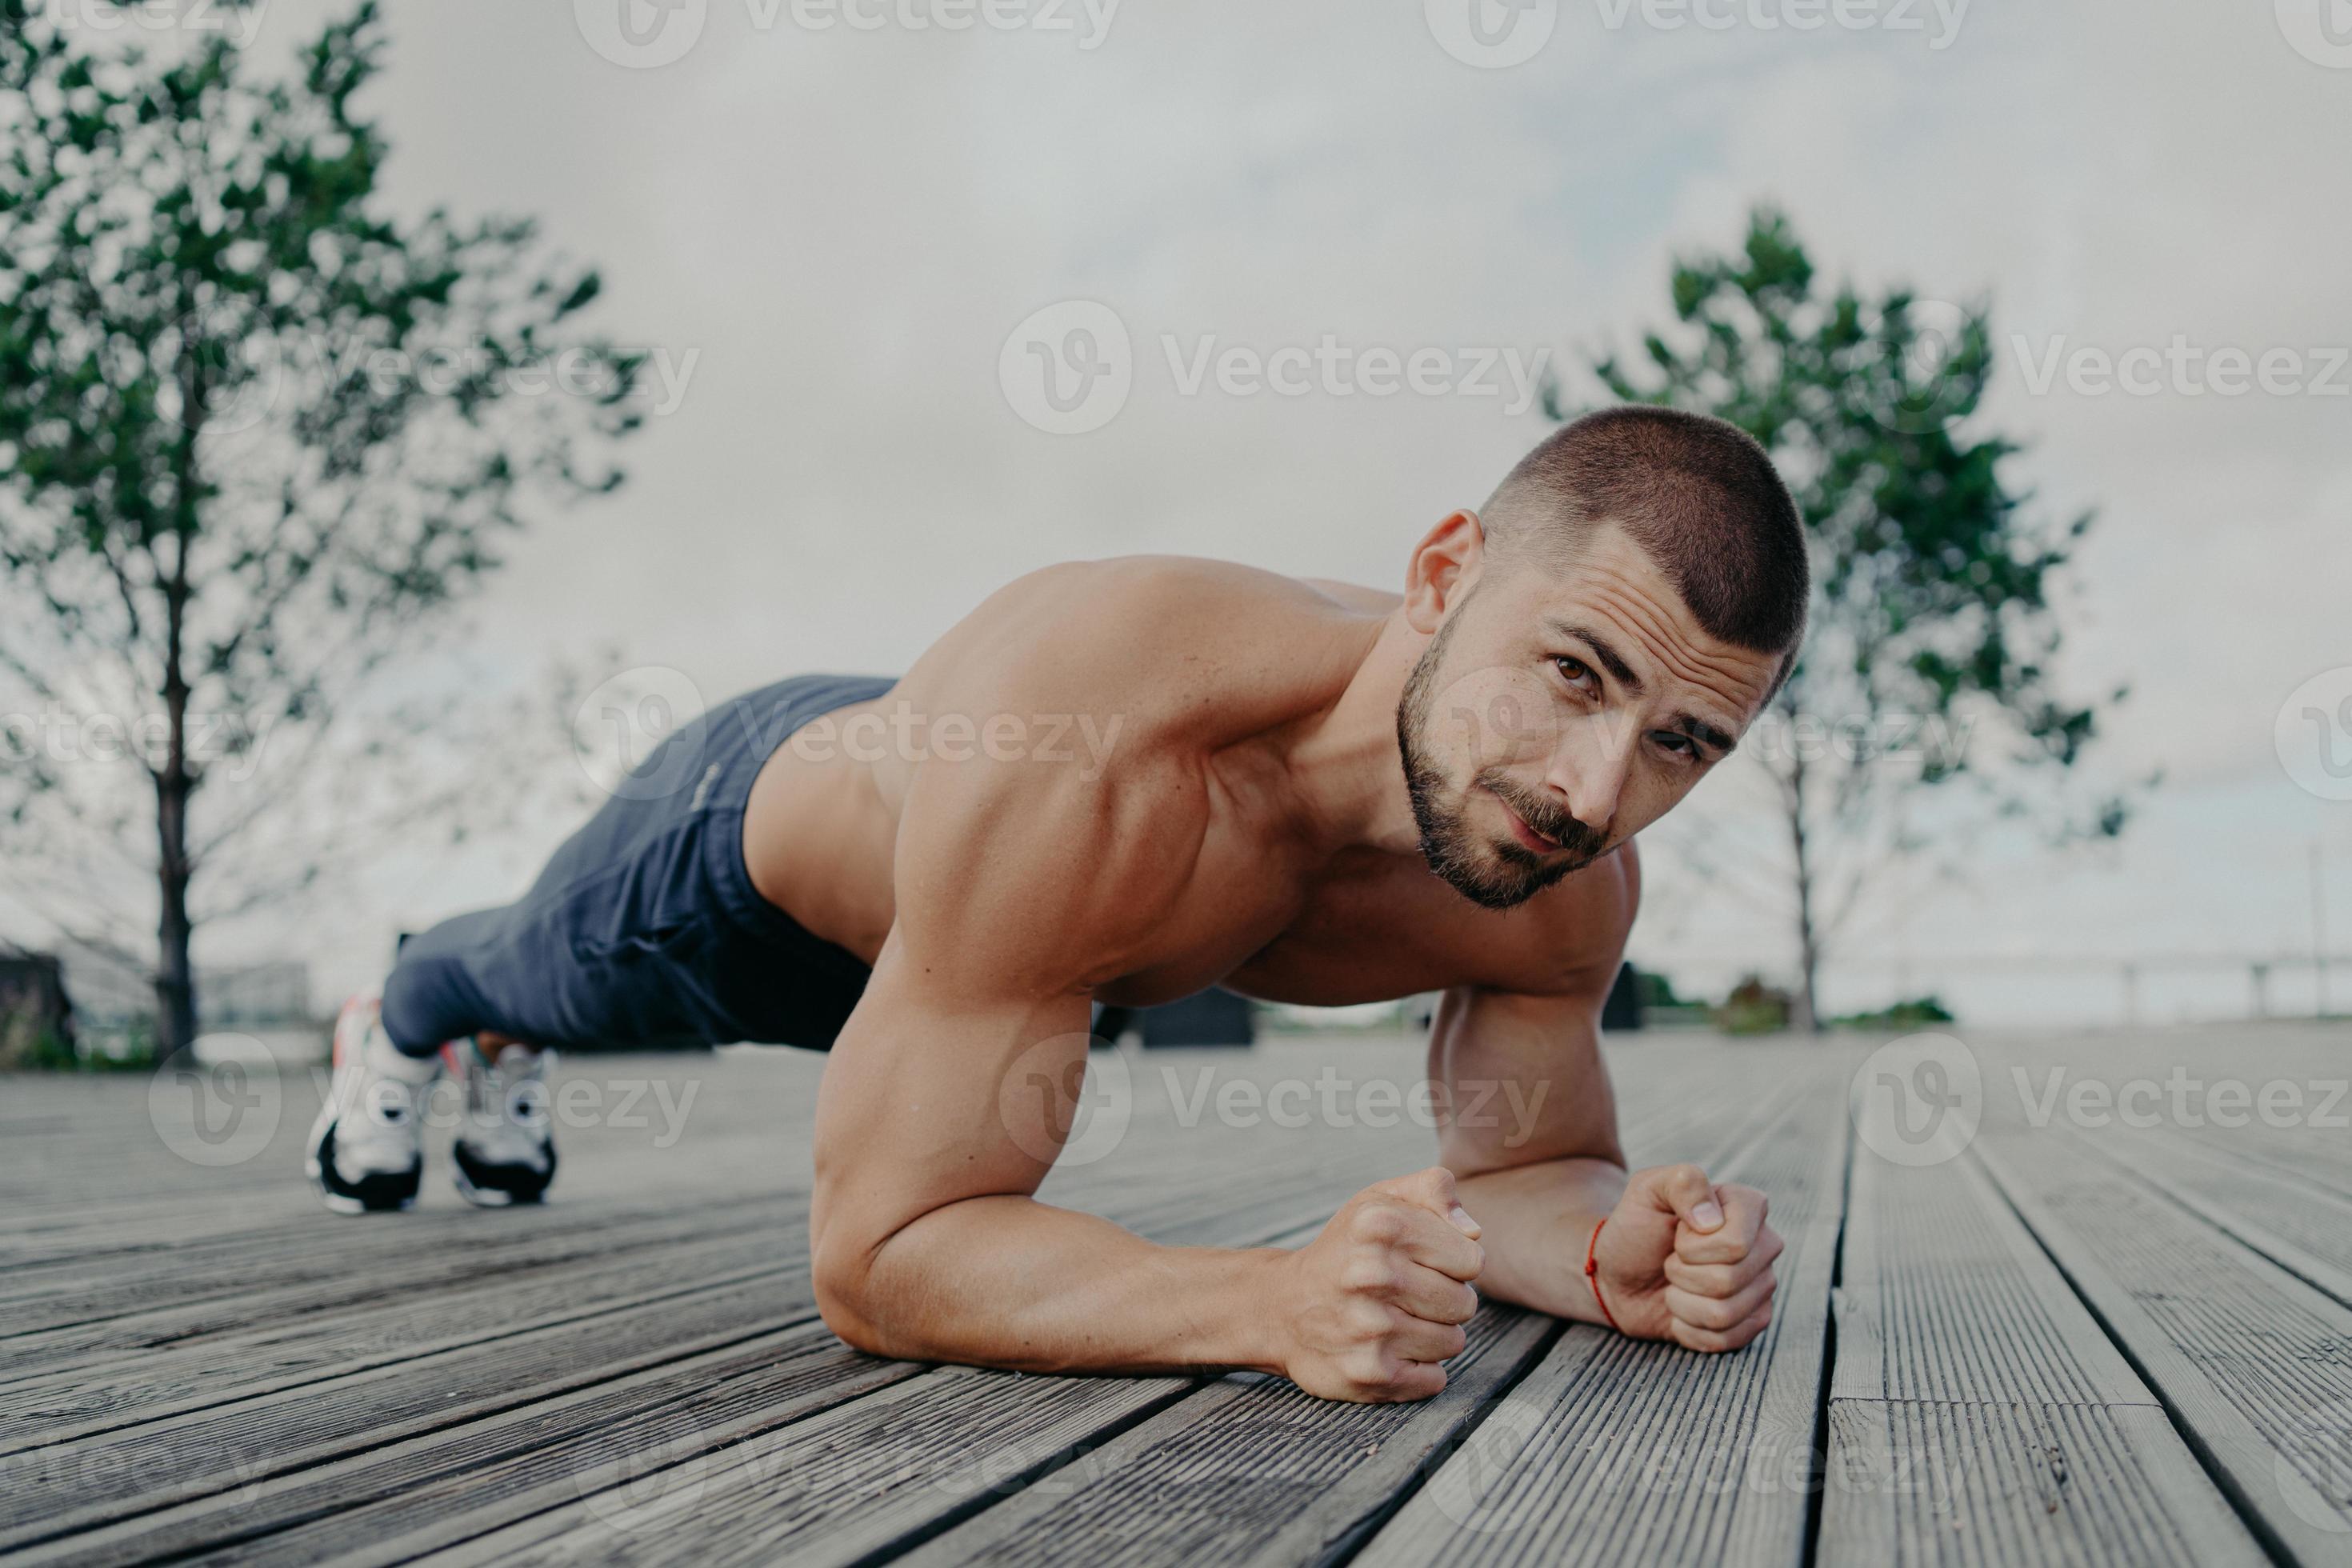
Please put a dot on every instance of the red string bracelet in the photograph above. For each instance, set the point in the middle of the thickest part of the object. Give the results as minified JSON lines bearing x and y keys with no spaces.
{"x":1592,"y":1276}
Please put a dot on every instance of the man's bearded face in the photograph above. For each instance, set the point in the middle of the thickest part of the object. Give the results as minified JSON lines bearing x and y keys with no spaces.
{"x":1488,"y":864}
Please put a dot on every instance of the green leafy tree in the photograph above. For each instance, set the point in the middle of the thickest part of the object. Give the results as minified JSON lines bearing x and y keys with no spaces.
{"x":1926,"y":701}
{"x":258,"y":433}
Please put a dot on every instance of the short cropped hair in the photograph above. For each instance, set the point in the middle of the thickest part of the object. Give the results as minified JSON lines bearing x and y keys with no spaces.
{"x":1699,"y":496}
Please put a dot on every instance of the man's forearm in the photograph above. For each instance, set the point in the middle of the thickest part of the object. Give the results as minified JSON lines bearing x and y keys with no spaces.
{"x":1535,"y":1221}
{"x":1010,"y":1282}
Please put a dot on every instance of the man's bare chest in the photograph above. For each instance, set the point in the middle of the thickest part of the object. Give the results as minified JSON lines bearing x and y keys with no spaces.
{"x":1272,"y":932}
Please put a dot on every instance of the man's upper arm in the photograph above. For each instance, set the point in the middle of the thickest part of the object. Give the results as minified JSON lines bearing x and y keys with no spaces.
{"x":1017,"y":882}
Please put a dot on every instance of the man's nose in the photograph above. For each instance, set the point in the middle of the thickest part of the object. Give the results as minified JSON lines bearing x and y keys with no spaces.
{"x":1589,"y":773}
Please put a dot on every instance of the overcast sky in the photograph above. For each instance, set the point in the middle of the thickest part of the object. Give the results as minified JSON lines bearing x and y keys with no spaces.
{"x":831,"y":234}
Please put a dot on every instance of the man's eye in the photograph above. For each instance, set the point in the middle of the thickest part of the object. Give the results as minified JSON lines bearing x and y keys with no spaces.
{"x":1679,"y":745}
{"x":1579,"y":673}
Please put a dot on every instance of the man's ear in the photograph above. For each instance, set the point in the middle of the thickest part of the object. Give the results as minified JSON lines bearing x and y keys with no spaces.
{"x":1444,"y":567}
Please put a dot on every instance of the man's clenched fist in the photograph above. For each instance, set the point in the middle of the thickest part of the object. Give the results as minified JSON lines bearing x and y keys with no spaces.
{"x":1685,"y":1260}
{"x":1376,"y":1301}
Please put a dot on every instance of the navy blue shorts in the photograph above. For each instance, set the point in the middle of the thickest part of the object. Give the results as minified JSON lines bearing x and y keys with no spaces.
{"x":645,"y":929}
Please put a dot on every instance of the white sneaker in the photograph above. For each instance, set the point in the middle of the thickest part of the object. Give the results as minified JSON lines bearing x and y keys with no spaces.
{"x":505,"y":1151}
{"x":366,"y":1151}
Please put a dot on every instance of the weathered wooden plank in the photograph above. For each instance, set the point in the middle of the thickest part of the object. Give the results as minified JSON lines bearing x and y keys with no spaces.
{"x":2304,"y":1230}
{"x":1250,"y":1470}
{"x":1978,"y":1414}
{"x":365,"y":1260}
{"x":81,"y":1483}
{"x":499,"y":1382}
{"x":508,"y":1361}
{"x":2010,"y":1485}
{"x":1944,"y":1296}
{"x":84,"y":1403}
{"x":853,"y":1484}
{"x":521,"y":1460}
{"x":2254,"y":1365}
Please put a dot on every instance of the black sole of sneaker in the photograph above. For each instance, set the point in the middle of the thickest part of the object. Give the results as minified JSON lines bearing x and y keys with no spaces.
{"x":379,"y":1192}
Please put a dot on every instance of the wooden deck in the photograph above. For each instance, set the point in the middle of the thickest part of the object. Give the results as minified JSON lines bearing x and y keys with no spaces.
{"x":2063,"y":1344}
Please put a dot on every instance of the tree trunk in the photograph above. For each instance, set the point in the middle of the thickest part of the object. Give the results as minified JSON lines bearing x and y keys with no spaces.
{"x":175,"y":980}
{"x":1807,"y":1015}
{"x":176,"y":781}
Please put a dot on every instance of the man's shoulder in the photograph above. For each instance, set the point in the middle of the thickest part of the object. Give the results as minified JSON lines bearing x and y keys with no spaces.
{"x":1177,"y":644}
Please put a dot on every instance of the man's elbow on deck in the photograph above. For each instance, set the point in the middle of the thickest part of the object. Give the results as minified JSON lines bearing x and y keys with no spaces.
{"x":841,"y":1270}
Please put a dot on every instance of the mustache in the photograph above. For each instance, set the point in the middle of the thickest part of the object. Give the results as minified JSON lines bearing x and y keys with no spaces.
{"x":1547,"y":818}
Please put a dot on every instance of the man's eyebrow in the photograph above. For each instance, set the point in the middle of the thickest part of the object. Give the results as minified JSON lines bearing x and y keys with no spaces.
{"x":1698,"y":728}
{"x":1610,"y":660}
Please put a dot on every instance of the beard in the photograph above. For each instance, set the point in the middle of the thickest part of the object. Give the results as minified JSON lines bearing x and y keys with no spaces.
{"x":1494,"y":873}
